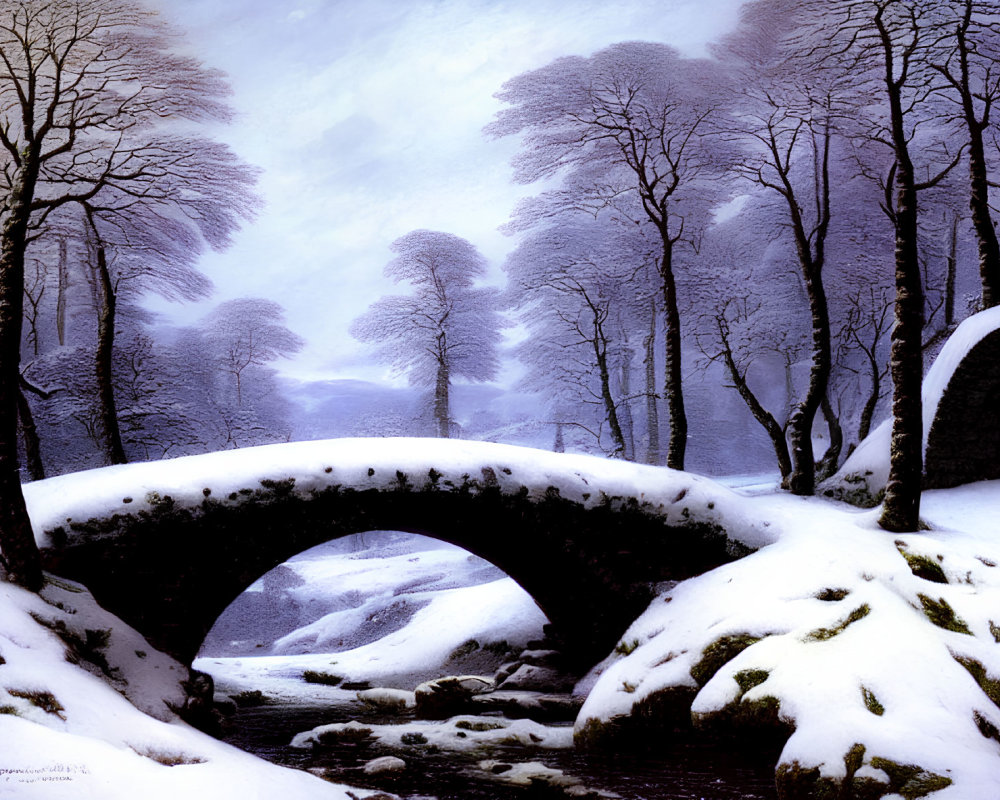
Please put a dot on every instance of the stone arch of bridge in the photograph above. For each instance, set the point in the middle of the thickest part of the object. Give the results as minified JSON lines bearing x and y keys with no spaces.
{"x":171,"y":571}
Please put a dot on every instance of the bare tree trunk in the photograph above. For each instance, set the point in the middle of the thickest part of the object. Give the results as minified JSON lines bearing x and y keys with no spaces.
{"x":986,"y":235}
{"x":874,"y":393}
{"x":901,"y":510}
{"x":600,"y":345}
{"x":627,"y":424}
{"x":951,"y":274}
{"x":29,"y":437}
{"x":652,"y":409}
{"x":774,"y":431}
{"x":112,"y":445}
{"x":17,"y":541}
{"x":441,"y":401}
{"x":831,"y":458}
{"x":802,"y":480}
{"x":61,"y":289}
{"x":677,"y":443}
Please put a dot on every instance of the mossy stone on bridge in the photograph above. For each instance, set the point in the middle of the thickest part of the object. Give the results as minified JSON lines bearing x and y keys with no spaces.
{"x":170,"y":570}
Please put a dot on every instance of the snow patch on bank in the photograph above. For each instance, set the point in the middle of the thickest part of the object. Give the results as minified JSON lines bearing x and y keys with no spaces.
{"x":427,"y":647}
{"x":86,"y":714}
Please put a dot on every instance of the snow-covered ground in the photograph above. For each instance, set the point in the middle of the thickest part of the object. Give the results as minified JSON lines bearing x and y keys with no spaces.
{"x":387,"y":608}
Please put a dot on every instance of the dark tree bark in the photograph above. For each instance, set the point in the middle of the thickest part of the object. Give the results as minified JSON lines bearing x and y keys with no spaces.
{"x":61,"y":289}
{"x":677,"y":442}
{"x":442,"y":415}
{"x":901,"y":509}
{"x":17,"y":540}
{"x":951,"y":273}
{"x":653,"y":455}
{"x":114,"y":450}
{"x":29,"y":437}
{"x":828,"y":464}
{"x":982,"y":221}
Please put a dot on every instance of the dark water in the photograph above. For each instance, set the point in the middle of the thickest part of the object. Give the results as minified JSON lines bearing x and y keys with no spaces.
{"x":677,"y":771}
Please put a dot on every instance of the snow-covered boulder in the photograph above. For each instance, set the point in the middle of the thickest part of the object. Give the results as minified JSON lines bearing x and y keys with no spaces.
{"x":385,"y":765}
{"x":445,"y":697}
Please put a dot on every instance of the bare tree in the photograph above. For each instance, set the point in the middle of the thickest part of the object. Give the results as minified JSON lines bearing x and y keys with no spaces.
{"x":786,"y":125}
{"x":883,"y":45}
{"x":864,"y":336}
{"x":448,"y":328}
{"x":582,"y":284}
{"x":249,"y":332}
{"x":641,"y":110}
{"x":966,"y":54}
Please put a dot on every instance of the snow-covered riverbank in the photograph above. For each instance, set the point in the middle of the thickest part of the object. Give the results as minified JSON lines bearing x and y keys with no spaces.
{"x":878,"y":655}
{"x":87,"y":713}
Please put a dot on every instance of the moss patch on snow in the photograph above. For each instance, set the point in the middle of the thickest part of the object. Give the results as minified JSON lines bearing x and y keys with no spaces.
{"x":943,"y":615}
{"x":871,"y":702}
{"x":990,"y":686}
{"x":720,"y":652}
{"x":923,"y":566}
{"x":909,"y":780}
{"x":822,"y":634}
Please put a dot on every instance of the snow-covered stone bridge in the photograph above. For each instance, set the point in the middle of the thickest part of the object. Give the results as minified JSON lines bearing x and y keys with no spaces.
{"x":168,"y":545}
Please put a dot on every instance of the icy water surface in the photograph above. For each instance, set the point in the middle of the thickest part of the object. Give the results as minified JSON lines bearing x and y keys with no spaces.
{"x":691,"y":771}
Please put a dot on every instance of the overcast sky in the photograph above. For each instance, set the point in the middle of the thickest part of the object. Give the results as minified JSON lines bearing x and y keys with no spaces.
{"x":366,"y":118}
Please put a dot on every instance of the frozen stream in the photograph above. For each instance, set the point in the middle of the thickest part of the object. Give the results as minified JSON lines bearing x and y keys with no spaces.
{"x":688,"y":771}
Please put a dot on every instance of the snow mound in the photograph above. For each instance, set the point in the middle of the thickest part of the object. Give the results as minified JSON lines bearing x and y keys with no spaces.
{"x":875,"y":653}
{"x":86,"y":713}
{"x":454,"y":626}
